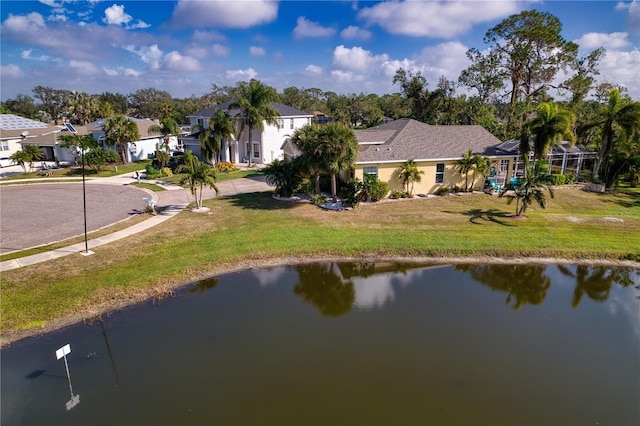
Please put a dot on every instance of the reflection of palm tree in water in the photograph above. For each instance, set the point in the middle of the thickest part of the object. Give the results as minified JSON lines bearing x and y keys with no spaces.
{"x":319,"y":285}
{"x":596,"y":281}
{"x":523,"y":283}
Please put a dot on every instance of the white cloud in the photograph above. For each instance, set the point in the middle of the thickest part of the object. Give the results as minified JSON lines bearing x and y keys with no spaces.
{"x":257,"y":51}
{"x":130,"y":72}
{"x":57,"y":18}
{"x":247,"y":74}
{"x":355,"y":33}
{"x":633,"y":21}
{"x":26,"y":54}
{"x":313,"y":69}
{"x":305,"y":28}
{"x":445,"y":59}
{"x":435,"y":19}
{"x":201,"y":36}
{"x":174,"y":61}
{"x":220,"y":50}
{"x":115,"y":15}
{"x":356,"y":59}
{"x":622,"y":67}
{"x":10,"y":71}
{"x":224,"y":14}
{"x":83,"y":67}
{"x":611,"y":41}
{"x":23,"y":23}
{"x":151,"y":55}
{"x":110,"y":71}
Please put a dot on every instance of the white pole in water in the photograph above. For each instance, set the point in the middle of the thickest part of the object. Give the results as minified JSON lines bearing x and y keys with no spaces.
{"x":62,"y":353}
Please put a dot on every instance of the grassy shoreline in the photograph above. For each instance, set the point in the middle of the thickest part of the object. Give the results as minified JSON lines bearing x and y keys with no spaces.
{"x":254,"y":230}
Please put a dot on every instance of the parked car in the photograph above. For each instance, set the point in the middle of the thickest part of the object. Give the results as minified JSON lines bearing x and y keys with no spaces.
{"x":6,"y":162}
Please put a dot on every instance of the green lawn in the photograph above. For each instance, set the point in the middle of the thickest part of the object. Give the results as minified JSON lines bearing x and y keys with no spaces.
{"x":251,"y":229}
{"x":76,"y":171}
{"x":175,"y":179}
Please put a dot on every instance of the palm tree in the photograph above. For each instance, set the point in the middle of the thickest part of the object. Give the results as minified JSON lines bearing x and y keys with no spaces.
{"x":306,"y":139}
{"x":284,"y":175}
{"x":223,"y":128}
{"x":254,"y":103}
{"x":197,"y":174}
{"x":120,"y":130}
{"x":409,"y":174}
{"x":551,"y":124}
{"x":464,"y":166}
{"x":528,"y":190}
{"x":481,"y":166}
{"x":621,"y":116}
{"x":167,"y":128}
{"x":338,"y":150}
{"x":27,"y":156}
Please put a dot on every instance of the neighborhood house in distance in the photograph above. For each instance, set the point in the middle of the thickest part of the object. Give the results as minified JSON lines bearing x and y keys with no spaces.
{"x":383,"y":149}
{"x":266,"y":146}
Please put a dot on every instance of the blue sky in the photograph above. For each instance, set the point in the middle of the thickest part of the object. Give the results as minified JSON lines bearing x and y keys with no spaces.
{"x":185,"y":46}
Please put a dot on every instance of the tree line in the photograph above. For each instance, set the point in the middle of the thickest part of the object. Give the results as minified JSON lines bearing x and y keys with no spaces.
{"x":509,"y":89}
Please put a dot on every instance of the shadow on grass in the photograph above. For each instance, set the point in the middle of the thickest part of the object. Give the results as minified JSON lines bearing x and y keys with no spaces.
{"x":476,"y":216}
{"x":623,"y":199}
{"x":260,"y":201}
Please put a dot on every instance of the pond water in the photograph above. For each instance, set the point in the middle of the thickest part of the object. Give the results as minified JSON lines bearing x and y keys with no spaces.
{"x":349,"y":344}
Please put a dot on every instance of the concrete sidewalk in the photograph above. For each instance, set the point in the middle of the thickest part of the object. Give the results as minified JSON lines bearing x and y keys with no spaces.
{"x":170,"y":202}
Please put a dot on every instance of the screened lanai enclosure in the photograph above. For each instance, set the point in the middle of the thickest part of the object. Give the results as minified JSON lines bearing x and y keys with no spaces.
{"x":563,"y":158}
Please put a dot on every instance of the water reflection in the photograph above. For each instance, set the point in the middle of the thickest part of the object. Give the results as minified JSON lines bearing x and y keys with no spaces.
{"x":320,"y":285}
{"x":204,"y":285}
{"x":596,"y":281}
{"x":524,"y":284}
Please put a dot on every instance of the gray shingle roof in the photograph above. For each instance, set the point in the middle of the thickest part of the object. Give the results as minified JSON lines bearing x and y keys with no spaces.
{"x":404,"y":139}
{"x":283,"y":111}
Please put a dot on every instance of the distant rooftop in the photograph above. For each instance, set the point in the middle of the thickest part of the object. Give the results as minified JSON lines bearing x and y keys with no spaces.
{"x":15,"y":122}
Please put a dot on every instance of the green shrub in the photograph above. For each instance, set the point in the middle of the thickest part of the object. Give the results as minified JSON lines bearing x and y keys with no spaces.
{"x":351,"y":192}
{"x":166,"y":172}
{"x":374,"y":189}
{"x":443,"y":190}
{"x":457,"y":189}
{"x":226,"y":167}
{"x":400,"y":194}
{"x":319,"y":199}
{"x":152,"y":172}
{"x":557,"y":179}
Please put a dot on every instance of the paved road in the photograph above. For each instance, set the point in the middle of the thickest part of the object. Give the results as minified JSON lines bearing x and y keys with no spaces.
{"x":37,"y":214}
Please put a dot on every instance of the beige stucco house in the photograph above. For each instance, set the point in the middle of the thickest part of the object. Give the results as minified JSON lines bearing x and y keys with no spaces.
{"x":435,"y":149}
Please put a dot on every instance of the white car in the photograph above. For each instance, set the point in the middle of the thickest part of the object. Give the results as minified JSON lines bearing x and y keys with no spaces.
{"x":6,"y":162}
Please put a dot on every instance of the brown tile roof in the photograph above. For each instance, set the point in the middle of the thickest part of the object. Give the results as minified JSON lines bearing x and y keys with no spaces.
{"x":404,"y":139}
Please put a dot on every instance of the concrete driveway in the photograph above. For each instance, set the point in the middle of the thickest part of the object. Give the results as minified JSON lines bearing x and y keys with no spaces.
{"x":35,"y":214}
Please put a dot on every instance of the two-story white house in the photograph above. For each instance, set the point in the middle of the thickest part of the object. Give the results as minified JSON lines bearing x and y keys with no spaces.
{"x":265,"y":147}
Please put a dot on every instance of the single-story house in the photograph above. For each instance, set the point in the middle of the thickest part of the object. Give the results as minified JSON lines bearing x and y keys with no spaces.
{"x":16,"y":131}
{"x":435,"y":149}
{"x":141,"y":149}
{"x":265,"y":147}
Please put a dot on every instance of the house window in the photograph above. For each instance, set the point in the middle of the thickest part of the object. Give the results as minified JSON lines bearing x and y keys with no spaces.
{"x":370,"y":170}
{"x":309,"y":121}
{"x":256,"y":150}
{"x":291,"y":123}
{"x":504,"y":167}
{"x":4,"y":145}
{"x":439,"y":172}
{"x":280,"y":123}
